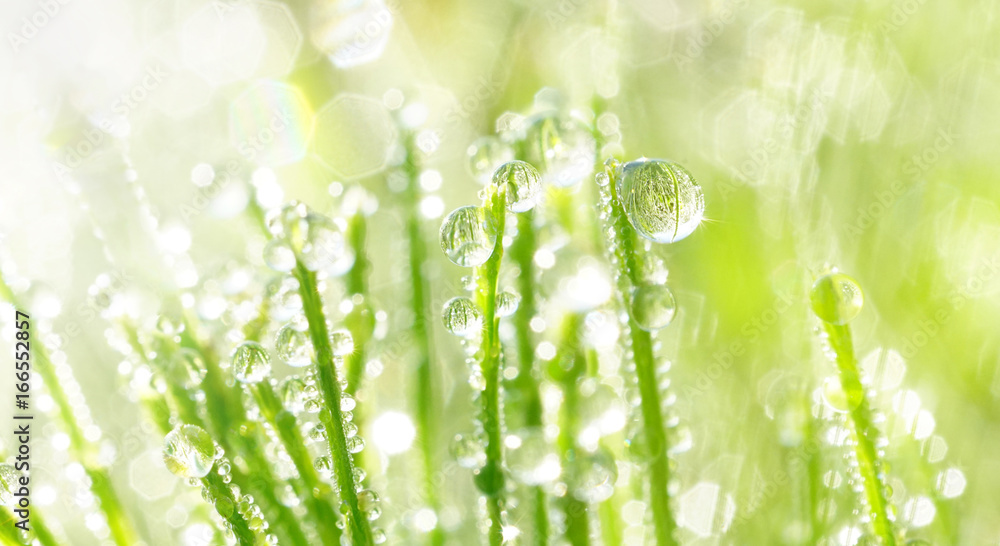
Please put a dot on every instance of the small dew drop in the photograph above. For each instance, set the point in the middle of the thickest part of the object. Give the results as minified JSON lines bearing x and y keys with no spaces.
{"x":652,"y":306}
{"x":462,"y":317}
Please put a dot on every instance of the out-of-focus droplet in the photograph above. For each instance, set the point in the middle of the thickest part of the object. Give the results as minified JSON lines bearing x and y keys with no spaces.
{"x":596,"y":477}
{"x":652,"y":306}
{"x":189,"y":451}
{"x":836,"y":298}
{"x":469,"y":236}
{"x":187,"y":369}
{"x":562,"y":148}
{"x":468,"y":451}
{"x":662,"y":200}
{"x":9,"y":477}
{"x":486,"y":155}
{"x":351,"y":33}
{"x":532,"y":460}
{"x":325,"y":247}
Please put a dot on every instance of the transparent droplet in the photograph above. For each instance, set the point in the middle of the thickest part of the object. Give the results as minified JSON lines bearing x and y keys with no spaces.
{"x":351,"y":33}
{"x":462,"y":317}
{"x":486,"y":154}
{"x":836,"y":298}
{"x":325,"y":247}
{"x":468,"y":451}
{"x":279,"y":256}
{"x":293,"y":346}
{"x":469,"y":236}
{"x":367,"y":500}
{"x":652,"y":306}
{"x":596,"y":477}
{"x":292,"y":390}
{"x":187,"y":369}
{"x":562,"y":147}
{"x":532,"y":460}
{"x":251,"y":363}
{"x":189,"y":451}
{"x":837,"y":399}
{"x":662,"y":200}
{"x":341,"y":342}
{"x":9,"y":477}
{"x":521,"y":184}
{"x":507,"y":303}
{"x":289,"y":224}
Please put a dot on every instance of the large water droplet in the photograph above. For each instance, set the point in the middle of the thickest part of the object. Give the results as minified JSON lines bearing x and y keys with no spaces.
{"x":652,"y":306}
{"x":9,"y":477}
{"x":325,"y":247}
{"x":532,"y":460}
{"x":837,"y":399}
{"x":251,"y":363}
{"x":187,"y":369}
{"x":293,"y":346}
{"x":462,"y":317}
{"x":468,"y":451}
{"x":663,"y":201}
{"x":469,"y":236}
{"x":486,"y":155}
{"x":189,"y":451}
{"x":561,"y":147}
{"x":521,"y":184}
{"x":836,"y":298}
{"x":596,"y":478}
{"x":279,"y":256}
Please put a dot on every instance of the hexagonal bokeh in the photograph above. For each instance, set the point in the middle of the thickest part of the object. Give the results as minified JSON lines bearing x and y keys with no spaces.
{"x":284,"y":39}
{"x":223,"y":42}
{"x":351,"y":33}
{"x":354,"y":136}
{"x":269,"y":124}
{"x":149,"y":477}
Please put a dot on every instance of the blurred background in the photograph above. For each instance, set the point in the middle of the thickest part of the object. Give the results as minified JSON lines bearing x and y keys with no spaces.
{"x":861,"y":135}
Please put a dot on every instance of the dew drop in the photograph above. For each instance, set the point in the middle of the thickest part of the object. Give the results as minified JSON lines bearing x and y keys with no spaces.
{"x":187,"y":369}
{"x":562,"y":148}
{"x":189,"y":451}
{"x":837,"y":399}
{"x":521,"y":184}
{"x":292,"y":390}
{"x":293,"y":346}
{"x":531,"y":459}
{"x":836,"y":298}
{"x":486,"y":154}
{"x":279,"y":256}
{"x":662,"y":200}
{"x":507,"y":303}
{"x":251,"y":363}
{"x":468,"y":451}
{"x":341,"y":342}
{"x":325,"y":247}
{"x":462,"y":317}
{"x":652,"y":306}
{"x":469,"y":236}
{"x":597,"y":476}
